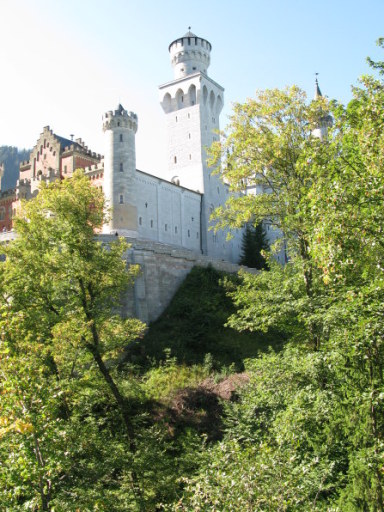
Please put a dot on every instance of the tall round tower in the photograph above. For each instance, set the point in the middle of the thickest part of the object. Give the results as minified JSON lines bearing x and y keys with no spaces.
{"x":190,"y":54}
{"x":120,"y":128}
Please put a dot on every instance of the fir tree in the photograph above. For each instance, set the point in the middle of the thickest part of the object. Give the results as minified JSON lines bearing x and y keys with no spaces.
{"x":254,"y":242}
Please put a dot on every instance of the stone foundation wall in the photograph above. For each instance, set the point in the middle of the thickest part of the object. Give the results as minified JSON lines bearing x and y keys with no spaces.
{"x":163,"y":269}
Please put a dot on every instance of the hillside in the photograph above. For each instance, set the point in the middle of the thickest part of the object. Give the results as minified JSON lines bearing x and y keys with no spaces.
{"x":11,"y":157}
{"x":193,"y":325}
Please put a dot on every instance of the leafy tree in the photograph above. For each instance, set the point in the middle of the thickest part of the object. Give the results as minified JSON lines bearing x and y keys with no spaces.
{"x":270,"y":147}
{"x":253,"y":245}
{"x":283,"y":448}
{"x":310,"y":432}
{"x":61,"y":290}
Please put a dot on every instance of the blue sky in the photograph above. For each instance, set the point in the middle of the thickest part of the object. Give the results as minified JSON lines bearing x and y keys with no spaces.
{"x":65,"y":62}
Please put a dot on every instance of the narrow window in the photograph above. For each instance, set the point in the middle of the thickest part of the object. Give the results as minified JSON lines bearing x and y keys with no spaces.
{"x":140,"y":221}
{"x":121,"y":137}
{"x":176,"y":119}
{"x":166,"y":227}
{"x":151,"y":223}
{"x":189,"y":116}
{"x":175,"y":230}
{"x":189,"y":135}
{"x":175,"y":159}
{"x":189,"y":233}
{"x":121,"y":167}
{"x":118,"y":123}
{"x":197,"y":235}
{"x":182,"y":99}
{"x":121,"y":199}
{"x":190,"y":157}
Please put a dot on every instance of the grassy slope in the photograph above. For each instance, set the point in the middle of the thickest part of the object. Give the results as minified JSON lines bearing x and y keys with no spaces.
{"x":193,"y":325}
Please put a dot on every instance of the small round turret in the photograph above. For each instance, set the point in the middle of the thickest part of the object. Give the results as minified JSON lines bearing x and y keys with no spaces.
{"x":120,"y":127}
{"x":190,"y":54}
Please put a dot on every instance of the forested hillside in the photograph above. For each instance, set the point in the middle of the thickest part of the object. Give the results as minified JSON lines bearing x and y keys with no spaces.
{"x":11,"y":158}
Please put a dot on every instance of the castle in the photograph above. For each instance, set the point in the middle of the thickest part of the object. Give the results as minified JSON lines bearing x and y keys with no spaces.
{"x":166,"y":221}
{"x":174,"y":211}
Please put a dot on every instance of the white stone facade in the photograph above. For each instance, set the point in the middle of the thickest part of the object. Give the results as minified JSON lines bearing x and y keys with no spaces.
{"x":175,"y":210}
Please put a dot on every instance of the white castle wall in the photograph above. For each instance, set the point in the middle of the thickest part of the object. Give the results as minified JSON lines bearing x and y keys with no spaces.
{"x":167,"y":213}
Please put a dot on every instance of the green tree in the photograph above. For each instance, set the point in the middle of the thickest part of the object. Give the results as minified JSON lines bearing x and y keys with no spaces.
{"x":310,"y":430}
{"x":347,"y":244}
{"x":254,"y":244}
{"x":61,"y":290}
{"x":270,"y":147}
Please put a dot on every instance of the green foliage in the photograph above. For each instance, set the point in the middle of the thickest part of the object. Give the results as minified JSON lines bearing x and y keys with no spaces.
{"x":283,"y":449}
{"x":169,"y":377}
{"x":193,"y":325}
{"x":307,"y":433}
{"x":60,"y":288}
{"x":254,"y":244}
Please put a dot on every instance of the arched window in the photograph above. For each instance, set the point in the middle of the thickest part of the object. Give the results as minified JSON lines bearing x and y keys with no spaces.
{"x":167,"y":102}
{"x":180,"y":99}
{"x":192,"y":95}
{"x":212,"y":99}
{"x":205,"y":94}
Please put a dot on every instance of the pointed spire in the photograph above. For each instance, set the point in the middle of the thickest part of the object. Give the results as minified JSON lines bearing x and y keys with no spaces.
{"x":317,"y":89}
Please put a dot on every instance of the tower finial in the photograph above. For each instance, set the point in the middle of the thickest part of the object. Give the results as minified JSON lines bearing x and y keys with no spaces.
{"x":189,"y":28}
{"x":317,"y":88}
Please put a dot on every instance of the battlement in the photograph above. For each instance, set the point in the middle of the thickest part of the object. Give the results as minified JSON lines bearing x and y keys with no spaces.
{"x":82,"y":150}
{"x":190,"y":54}
{"x":120,"y":118}
{"x":8,"y":193}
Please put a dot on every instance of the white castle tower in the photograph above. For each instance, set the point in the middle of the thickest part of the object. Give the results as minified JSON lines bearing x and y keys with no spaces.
{"x":192,"y":103}
{"x":120,"y":128}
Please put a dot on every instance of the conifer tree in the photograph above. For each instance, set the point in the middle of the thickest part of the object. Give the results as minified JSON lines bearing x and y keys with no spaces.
{"x":253,"y":244}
